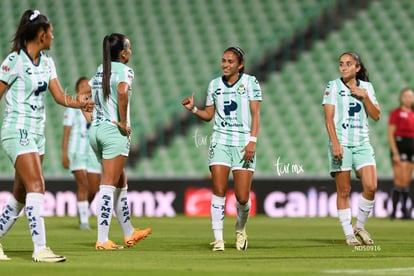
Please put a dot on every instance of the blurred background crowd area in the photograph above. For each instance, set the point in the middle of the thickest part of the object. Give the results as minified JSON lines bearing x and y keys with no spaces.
{"x":292,"y":47}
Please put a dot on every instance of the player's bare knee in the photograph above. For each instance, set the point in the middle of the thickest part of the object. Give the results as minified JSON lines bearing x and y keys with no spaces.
{"x":344,"y":192}
{"x":243,"y":201}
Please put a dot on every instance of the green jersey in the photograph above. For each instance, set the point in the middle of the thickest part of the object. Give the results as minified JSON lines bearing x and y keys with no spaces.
{"x":351,"y":118}
{"x":24,"y":98}
{"x":232,"y":118}
{"x":107,"y":109}
{"x":78,"y":139}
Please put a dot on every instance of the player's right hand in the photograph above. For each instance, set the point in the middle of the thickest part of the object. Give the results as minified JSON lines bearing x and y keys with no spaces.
{"x":188,"y":102}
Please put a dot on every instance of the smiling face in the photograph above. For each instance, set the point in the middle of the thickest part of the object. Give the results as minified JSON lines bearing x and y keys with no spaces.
{"x":348,"y":67}
{"x":230,"y":65}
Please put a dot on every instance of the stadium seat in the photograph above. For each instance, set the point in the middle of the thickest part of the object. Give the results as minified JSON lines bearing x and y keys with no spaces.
{"x":177,"y":47}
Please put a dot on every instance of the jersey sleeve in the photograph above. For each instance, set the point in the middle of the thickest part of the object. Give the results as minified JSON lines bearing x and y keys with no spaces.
{"x":254,"y":91}
{"x":91,"y":83}
{"x":127,"y":76}
{"x":53,"y":74}
{"x":9,"y":68}
{"x":209,"y":98}
{"x":393,"y":119}
{"x":329,"y":96}
{"x":371,"y":93}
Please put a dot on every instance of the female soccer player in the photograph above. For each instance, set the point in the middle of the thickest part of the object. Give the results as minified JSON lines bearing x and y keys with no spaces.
{"x":401,"y":141}
{"x":109,"y":137}
{"x":347,"y":102}
{"x":25,"y":75}
{"x":78,"y":156}
{"x":234,"y":101}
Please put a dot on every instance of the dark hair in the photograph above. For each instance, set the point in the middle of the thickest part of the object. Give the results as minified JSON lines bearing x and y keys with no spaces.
{"x":78,"y":82}
{"x":113,"y":44}
{"x":30,"y":24}
{"x":362,"y":73}
{"x":240,"y":55}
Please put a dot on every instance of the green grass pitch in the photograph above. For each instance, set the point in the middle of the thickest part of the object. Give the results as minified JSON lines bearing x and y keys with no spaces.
{"x":180,"y":246}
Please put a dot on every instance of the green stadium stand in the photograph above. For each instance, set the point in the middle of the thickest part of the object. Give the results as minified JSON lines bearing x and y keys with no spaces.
{"x":176,"y":50}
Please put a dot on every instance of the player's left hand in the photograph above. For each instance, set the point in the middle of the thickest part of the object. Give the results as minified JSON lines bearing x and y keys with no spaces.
{"x":358,"y":92}
{"x":125,"y":130}
{"x":249,"y":151}
{"x":85,"y":98}
{"x":88,"y":106}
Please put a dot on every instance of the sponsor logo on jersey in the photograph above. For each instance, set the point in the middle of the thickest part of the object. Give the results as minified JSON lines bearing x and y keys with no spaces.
{"x":354,"y":108}
{"x":227,"y":124}
{"x":5,"y":68}
{"x":229,"y":106}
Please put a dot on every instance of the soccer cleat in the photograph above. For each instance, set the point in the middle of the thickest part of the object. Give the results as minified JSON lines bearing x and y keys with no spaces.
{"x":218,"y":245}
{"x":137,"y":236}
{"x":108,"y":245}
{"x":352,"y":240}
{"x":46,"y":255}
{"x":364,"y":236}
{"x":241,"y":240}
{"x":3,"y":257}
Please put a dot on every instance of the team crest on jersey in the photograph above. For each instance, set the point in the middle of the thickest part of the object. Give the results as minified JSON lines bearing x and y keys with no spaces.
{"x":241,"y":90}
{"x":5,"y":68}
{"x":46,"y":65}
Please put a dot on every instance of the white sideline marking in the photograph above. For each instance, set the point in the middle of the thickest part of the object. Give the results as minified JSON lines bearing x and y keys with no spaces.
{"x":383,"y":271}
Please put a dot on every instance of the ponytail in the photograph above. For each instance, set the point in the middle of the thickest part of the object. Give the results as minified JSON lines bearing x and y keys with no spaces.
{"x":106,"y":63}
{"x":363,"y":73}
{"x":113,"y":44}
{"x":31,"y":22}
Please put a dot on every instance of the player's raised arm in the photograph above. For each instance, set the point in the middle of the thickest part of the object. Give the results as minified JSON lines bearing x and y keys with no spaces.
{"x":205,"y":114}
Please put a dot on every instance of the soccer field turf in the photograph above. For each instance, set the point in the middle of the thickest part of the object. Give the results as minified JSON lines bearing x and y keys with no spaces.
{"x":180,"y":246}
